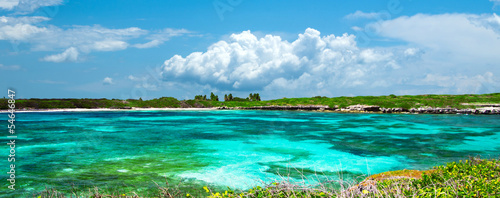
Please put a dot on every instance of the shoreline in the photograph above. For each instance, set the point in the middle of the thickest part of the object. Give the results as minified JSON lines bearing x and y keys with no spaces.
{"x":485,"y":110}
{"x":108,"y":109}
{"x":493,"y":110}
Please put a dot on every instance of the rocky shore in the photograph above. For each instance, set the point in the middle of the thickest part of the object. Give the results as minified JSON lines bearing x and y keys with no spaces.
{"x":274,"y":107}
{"x":483,"y":109}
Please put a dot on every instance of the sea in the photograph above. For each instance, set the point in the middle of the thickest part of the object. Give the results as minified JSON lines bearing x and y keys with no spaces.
{"x":238,"y":149}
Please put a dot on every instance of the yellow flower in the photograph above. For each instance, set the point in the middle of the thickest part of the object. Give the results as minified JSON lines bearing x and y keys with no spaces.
{"x":39,"y":196}
{"x":187,"y":195}
{"x":365,"y":192}
{"x":206,"y":189}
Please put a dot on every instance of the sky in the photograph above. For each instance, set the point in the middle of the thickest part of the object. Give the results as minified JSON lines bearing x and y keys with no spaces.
{"x":283,"y":48}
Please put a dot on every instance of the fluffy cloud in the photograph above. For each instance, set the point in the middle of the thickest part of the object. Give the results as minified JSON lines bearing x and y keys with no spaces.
{"x":246,"y":62}
{"x":85,"y":38}
{"x":71,"y":54}
{"x":462,"y":84}
{"x":363,"y":15}
{"x":80,"y":39}
{"x":8,"y":4}
{"x":461,"y":50}
{"x":491,"y":22}
{"x":27,"y":6}
{"x":463,"y":36}
{"x":107,"y":81}
{"x":334,"y":65}
{"x":20,"y":28}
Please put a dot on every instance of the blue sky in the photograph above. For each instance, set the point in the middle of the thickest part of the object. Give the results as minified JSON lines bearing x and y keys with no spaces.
{"x":150,"y":49}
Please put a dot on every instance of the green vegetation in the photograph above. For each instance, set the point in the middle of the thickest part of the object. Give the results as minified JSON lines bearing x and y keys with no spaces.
{"x":214,"y":97}
{"x":470,"y":178}
{"x":254,"y":97}
{"x":391,"y":101}
{"x":200,"y":97}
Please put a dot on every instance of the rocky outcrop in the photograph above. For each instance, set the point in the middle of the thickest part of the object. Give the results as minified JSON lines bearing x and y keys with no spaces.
{"x":438,"y":110}
{"x":377,"y":109}
{"x":359,"y":107}
{"x":275,"y":107}
{"x":393,"y":110}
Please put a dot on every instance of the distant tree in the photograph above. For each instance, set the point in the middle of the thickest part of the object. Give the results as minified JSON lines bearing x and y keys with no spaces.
{"x":213,"y":97}
{"x":204,"y":97}
{"x":230,"y":97}
{"x":257,"y":97}
{"x":198,"y":97}
{"x":254,"y":97}
{"x":225,"y":97}
{"x":240,"y":99}
{"x":140,"y":99}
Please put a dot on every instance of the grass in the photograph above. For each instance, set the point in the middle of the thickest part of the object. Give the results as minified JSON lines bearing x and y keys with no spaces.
{"x":474,"y":177}
{"x":391,"y":101}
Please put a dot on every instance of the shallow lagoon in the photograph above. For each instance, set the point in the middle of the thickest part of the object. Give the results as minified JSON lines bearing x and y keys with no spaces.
{"x":235,"y":148}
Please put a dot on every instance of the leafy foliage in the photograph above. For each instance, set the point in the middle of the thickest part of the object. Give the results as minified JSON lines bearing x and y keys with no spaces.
{"x":254,"y":97}
{"x":470,"y":178}
{"x":200,"y":97}
{"x":214,"y":97}
{"x":391,"y":101}
{"x":474,"y":177}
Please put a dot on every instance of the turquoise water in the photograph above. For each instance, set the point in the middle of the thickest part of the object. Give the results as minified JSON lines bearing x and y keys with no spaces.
{"x":233,"y":148}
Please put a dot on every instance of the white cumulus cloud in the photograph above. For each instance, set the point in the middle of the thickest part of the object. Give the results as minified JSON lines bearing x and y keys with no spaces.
{"x":245,"y":62}
{"x":107,"y":81}
{"x":21,"y":28}
{"x":70,"y":54}
{"x":315,"y":64}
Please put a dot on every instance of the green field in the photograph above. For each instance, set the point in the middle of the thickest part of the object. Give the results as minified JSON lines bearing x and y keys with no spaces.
{"x":391,"y":101}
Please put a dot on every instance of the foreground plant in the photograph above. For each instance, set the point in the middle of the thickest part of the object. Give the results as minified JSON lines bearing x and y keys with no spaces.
{"x":470,"y":178}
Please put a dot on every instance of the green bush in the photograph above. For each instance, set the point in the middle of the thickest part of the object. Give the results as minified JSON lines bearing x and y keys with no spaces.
{"x":470,"y":178}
